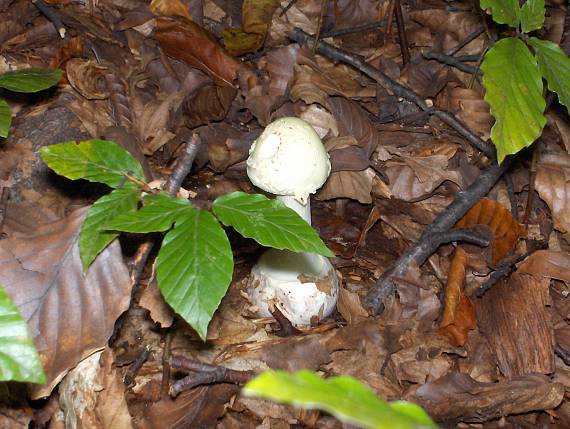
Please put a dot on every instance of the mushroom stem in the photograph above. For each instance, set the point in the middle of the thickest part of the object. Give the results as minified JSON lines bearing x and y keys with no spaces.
{"x":303,"y":210}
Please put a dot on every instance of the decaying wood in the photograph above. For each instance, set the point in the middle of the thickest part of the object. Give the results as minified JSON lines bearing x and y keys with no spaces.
{"x":457,"y":397}
{"x":514,"y":319}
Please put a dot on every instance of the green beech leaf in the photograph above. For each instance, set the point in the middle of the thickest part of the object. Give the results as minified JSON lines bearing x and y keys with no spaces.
{"x":269,"y":222}
{"x":94,"y":160}
{"x":532,"y":15}
{"x":344,"y":397}
{"x":158,"y":214}
{"x":503,"y":11}
{"x":19,"y":360}
{"x":554,"y":66}
{"x":194,"y":267}
{"x":94,"y":236}
{"x":29,"y":80}
{"x":513,"y":89}
{"x":5,"y":118}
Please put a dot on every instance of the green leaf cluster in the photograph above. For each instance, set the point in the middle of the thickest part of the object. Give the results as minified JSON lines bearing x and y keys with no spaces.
{"x":19,"y":360}
{"x":28,"y":81}
{"x":195,"y":263}
{"x":344,"y":397}
{"x":513,"y":76}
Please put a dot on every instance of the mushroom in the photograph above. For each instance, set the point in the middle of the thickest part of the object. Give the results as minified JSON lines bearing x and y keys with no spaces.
{"x":289,"y":160}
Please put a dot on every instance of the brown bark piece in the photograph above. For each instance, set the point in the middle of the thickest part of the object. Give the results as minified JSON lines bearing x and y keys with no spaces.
{"x":513,"y":318}
{"x":458,"y":397}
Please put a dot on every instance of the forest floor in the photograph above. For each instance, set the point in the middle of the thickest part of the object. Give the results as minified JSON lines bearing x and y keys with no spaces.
{"x":478,"y":336}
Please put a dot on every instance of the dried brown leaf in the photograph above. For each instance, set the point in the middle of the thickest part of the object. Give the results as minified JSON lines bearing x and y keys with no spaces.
{"x":88,"y":78}
{"x":350,"y":307}
{"x":459,"y":24}
{"x":209,"y":104}
{"x":549,"y":264}
{"x":187,"y":41}
{"x":416,"y":178}
{"x":70,"y":315}
{"x":505,"y":229}
{"x":457,"y":397}
{"x":92,"y":395}
{"x":356,"y":185}
{"x":267,"y":92}
{"x":226,"y":145}
{"x":553,"y":185}
{"x":469,"y":106}
{"x":353,"y":121}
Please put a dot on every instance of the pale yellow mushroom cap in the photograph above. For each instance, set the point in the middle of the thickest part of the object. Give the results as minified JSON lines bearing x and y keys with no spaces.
{"x":288,"y":158}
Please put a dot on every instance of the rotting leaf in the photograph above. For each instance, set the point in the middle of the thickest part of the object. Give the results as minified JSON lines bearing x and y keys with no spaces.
{"x":505,"y":229}
{"x":70,"y":315}
{"x":256,"y":19}
{"x":192,"y":44}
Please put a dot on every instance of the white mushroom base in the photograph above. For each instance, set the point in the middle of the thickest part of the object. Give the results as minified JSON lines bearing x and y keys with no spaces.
{"x":303,"y":286}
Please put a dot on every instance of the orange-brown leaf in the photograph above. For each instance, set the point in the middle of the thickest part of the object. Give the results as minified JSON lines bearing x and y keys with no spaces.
{"x":458,"y":312}
{"x":505,"y":229}
{"x":187,"y":41}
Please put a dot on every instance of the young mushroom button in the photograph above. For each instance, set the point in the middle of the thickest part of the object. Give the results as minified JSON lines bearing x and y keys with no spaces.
{"x":289,"y":160}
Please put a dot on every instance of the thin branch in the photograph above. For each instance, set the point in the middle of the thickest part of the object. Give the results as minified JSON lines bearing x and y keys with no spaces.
{"x":394,"y":87}
{"x":52,"y":15}
{"x":404,"y":48}
{"x":360,"y":29}
{"x":451,"y":61}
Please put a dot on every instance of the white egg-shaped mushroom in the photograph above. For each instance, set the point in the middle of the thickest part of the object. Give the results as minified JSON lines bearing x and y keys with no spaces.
{"x":289,"y":160}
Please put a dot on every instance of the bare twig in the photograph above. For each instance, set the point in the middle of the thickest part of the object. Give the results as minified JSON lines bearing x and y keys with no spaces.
{"x":394,"y":87}
{"x":404,"y":48}
{"x":203,"y":373}
{"x":52,"y":15}
{"x":451,"y":61}
{"x":135,"y":367}
{"x":360,"y":29}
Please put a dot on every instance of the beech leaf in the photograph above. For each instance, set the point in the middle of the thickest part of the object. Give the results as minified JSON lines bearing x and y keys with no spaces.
{"x":269,"y":222}
{"x":94,"y":235}
{"x":5,"y":118}
{"x":19,"y":360}
{"x":503,"y":11}
{"x":554,"y":66}
{"x":194,"y":267}
{"x":532,"y":15}
{"x":94,"y":160}
{"x":29,"y":80}
{"x":344,"y":397}
{"x":513,"y":86}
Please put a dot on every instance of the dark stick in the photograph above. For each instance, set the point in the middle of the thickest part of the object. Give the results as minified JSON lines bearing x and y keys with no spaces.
{"x":512,"y":196}
{"x":404,"y":48}
{"x":432,"y":237}
{"x":52,"y":15}
{"x":394,"y":87}
{"x":451,"y":61}
{"x":360,"y":29}
{"x":203,"y":373}
{"x":135,"y":367}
